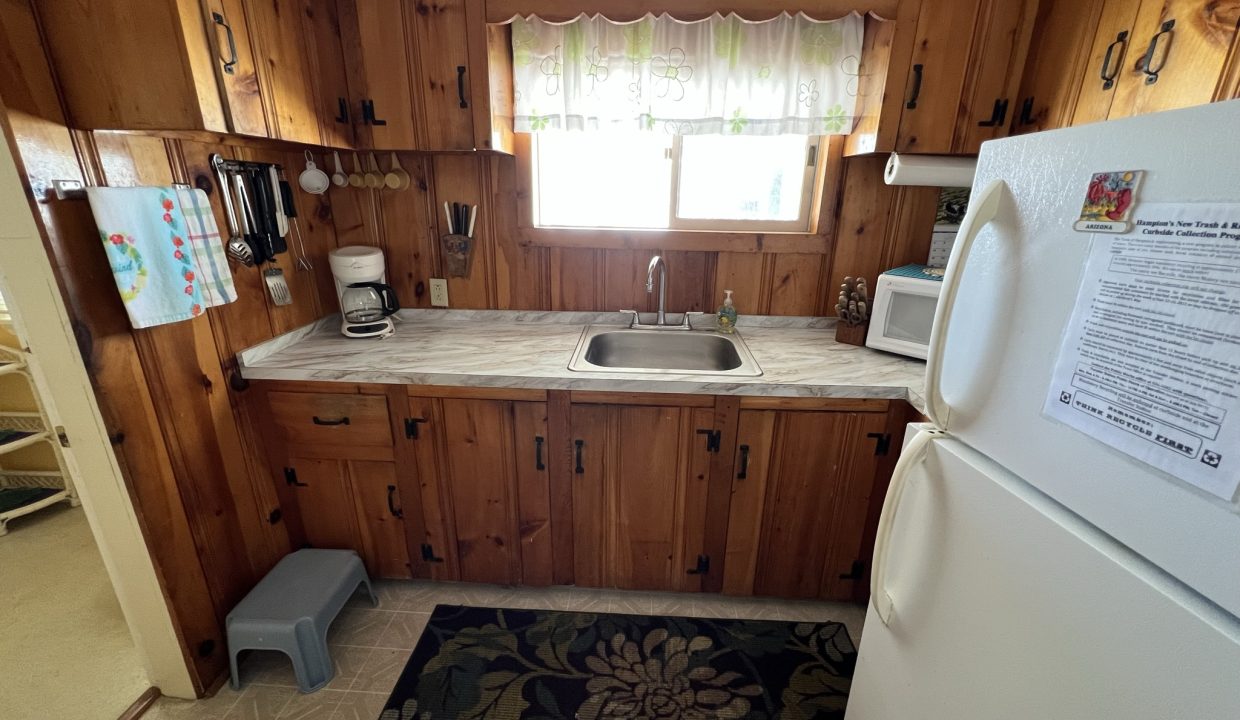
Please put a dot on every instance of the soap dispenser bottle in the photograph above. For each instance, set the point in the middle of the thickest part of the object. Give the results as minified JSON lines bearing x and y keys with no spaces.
{"x":726,"y":316}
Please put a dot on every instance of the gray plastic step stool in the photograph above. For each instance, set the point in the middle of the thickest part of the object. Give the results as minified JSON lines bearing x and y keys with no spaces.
{"x":291,"y":608}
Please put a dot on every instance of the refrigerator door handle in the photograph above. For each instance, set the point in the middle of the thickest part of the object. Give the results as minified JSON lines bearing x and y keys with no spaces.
{"x":909,"y":458}
{"x":982,"y":211}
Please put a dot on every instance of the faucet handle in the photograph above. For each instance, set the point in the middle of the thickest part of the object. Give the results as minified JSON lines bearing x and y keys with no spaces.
{"x":635,"y":319}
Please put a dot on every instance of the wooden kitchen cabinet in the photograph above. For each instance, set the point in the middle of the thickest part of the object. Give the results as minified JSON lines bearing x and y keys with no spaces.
{"x":443,"y":77}
{"x":639,"y":487}
{"x":285,"y":57}
{"x":960,"y":93}
{"x":1058,"y":54}
{"x":1180,"y":50}
{"x":482,"y":465}
{"x":379,"y":68}
{"x":802,"y":485}
{"x":155,"y":65}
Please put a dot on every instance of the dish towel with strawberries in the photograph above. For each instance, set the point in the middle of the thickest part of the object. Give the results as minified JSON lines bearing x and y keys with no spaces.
{"x":214,"y":276}
{"x":147,"y":244}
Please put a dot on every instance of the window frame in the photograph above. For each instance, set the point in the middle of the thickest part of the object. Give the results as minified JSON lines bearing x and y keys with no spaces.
{"x":828,"y":183}
{"x":803,"y":223}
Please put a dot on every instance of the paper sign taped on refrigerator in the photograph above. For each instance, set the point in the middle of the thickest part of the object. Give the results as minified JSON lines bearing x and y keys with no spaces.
{"x":1150,"y":360}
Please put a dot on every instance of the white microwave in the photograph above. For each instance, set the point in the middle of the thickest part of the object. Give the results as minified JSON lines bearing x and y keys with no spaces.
{"x":902,"y":310}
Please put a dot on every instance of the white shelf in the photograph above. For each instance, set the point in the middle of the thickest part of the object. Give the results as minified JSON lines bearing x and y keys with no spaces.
{"x":27,"y":441}
{"x":35,"y":506}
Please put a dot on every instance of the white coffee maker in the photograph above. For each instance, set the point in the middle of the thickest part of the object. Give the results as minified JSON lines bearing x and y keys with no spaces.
{"x":367,"y":302}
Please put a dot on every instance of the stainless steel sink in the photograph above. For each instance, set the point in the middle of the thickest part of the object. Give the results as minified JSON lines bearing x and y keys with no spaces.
{"x":610,"y":349}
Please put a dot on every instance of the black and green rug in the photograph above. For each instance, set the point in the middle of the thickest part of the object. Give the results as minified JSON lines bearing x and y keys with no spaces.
{"x":546,"y":665}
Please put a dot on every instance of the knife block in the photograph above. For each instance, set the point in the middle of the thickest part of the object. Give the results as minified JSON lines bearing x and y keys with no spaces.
{"x":458,"y":254}
{"x":851,"y":334}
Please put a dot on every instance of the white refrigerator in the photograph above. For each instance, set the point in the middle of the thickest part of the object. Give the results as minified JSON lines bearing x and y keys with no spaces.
{"x":1026,"y":568}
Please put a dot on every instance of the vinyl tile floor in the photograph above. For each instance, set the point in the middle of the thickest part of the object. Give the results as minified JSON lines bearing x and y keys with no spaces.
{"x":370,"y":645}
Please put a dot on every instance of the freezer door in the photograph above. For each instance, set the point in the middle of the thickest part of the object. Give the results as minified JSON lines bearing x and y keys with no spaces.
{"x":1015,"y":296}
{"x":1004,"y":605}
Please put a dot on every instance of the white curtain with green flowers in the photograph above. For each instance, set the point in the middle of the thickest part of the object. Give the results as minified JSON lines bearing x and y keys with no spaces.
{"x":787,"y":75}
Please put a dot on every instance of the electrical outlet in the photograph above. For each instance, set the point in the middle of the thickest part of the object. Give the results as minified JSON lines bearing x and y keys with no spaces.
{"x":439,"y":292}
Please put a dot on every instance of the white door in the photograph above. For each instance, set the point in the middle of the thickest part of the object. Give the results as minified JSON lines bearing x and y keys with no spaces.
{"x":1006,"y":606}
{"x":1014,"y":299}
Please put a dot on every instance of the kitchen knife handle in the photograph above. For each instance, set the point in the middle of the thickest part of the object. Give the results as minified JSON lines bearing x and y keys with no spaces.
{"x":912,"y":456}
{"x":982,"y":210}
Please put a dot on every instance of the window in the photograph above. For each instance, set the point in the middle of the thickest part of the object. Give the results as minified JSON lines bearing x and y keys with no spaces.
{"x":656,"y":181}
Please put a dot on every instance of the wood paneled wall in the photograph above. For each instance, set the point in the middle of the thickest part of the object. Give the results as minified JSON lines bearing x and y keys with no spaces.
{"x":181,"y":422}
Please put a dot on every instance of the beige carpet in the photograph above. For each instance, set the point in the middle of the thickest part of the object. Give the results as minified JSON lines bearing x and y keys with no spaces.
{"x":65,"y":651}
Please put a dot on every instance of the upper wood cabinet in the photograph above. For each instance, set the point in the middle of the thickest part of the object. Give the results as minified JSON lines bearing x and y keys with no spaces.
{"x":379,"y":100}
{"x":800,"y":492}
{"x":1095,"y":60}
{"x":960,"y":93}
{"x":639,"y":489}
{"x":285,"y":61}
{"x":443,"y":73}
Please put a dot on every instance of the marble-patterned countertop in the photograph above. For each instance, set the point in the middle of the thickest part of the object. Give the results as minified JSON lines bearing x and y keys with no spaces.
{"x":493,"y":348}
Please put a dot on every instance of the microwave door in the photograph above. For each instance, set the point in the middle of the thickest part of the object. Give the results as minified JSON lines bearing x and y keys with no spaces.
{"x":903,"y":315}
{"x":909,"y":317}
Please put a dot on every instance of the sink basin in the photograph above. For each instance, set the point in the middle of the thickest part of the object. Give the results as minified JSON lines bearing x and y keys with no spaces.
{"x":611,"y":349}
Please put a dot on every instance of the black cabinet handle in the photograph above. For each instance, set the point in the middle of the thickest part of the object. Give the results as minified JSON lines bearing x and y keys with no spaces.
{"x":460,"y":85}
{"x":335,"y":421}
{"x":1151,"y":73}
{"x":997,"y":115}
{"x":1026,"y":111}
{"x":1109,"y":73}
{"x":580,"y":469}
{"x":744,"y":471}
{"x":396,"y":512}
{"x":912,"y":100}
{"x":368,"y":113}
{"x":538,"y":461}
{"x":411,"y":427}
{"x":230,"y":65}
{"x":343,"y":115}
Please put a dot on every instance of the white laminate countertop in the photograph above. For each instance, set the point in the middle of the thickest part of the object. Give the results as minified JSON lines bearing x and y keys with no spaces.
{"x":494,"y":348}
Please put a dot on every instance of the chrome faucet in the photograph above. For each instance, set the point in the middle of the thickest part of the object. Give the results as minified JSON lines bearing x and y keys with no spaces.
{"x":656,"y":263}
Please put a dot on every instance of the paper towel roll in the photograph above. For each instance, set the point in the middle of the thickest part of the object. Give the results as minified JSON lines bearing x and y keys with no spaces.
{"x":930,"y":170}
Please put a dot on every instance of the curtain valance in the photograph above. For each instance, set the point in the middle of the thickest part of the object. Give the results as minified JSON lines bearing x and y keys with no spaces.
{"x":720,"y":75}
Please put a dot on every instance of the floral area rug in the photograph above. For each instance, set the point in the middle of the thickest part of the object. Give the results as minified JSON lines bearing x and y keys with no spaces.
{"x":547,"y":665}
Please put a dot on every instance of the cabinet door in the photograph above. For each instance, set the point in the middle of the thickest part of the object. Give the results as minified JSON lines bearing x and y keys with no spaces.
{"x":1190,"y":41}
{"x":437,"y":544}
{"x":284,"y":57}
{"x":1112,"y":53}
{"x":380,"y":519}
{"x":321,"y":490}
{"x":936,"y":76}
{"x":379,"y":66}
{"x":752,"y":465}
{"x":1000,"y":45}
{"x":590,"y":465}
{"x":479,"y":484}
{"x":640,"y":476}
{"x":819,"y":478}
{"x":239,"y":81}
{"x":443,"y":73}
{"x":321,"y":23}
{"x":529,"y":427}
{"x":1059,"y":58}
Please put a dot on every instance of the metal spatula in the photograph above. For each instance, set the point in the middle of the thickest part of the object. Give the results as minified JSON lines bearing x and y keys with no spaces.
{"x":277,"y":286}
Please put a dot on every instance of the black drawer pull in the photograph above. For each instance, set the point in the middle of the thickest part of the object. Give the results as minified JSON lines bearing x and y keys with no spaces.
{"x":230,"y":65}
{"x":1151,"y":73}
{"x":744,"y":471}
{"x":395,"y":511}
{"x":580,"y":469}
{"x":460,"y":85}
{"x":336,"y":421}
{"x":1109,"y":73}
{"x":538,"y":460}
{"x":912,"y":100}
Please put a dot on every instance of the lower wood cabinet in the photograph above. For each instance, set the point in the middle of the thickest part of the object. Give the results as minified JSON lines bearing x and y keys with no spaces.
{"x":639,"y":482}
{"x":797,"y":513}
{"x":751,"y":496}
{"x":351,"y":504}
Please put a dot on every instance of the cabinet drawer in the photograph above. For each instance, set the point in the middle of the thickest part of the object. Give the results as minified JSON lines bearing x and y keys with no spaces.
{"x":331,"y":418}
